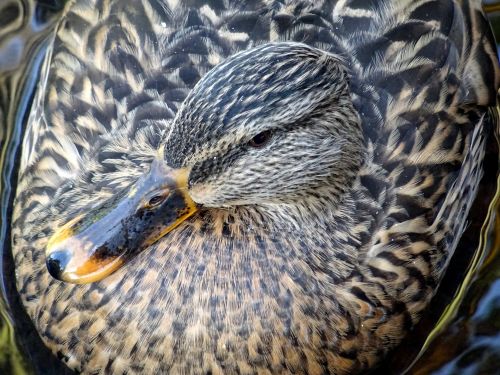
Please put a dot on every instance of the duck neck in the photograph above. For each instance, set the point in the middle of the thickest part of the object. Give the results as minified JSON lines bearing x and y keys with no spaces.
{"x":317,"y":232}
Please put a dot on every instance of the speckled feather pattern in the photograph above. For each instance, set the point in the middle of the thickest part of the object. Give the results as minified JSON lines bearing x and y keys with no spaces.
{"x":329,"y":285}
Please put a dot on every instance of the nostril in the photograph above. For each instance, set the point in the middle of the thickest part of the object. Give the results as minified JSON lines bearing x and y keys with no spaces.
{"x":57,"y":262}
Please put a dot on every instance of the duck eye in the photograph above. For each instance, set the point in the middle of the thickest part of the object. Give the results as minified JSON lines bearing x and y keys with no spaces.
{"x":155,"y":200}
{"x":260,"y":139}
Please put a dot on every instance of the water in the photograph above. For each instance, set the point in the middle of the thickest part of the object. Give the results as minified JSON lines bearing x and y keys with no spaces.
{"x":460,"y":334}
{"x":24,"y":26}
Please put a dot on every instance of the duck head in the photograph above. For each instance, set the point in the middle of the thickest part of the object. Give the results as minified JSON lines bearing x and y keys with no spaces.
{"x":273,"y":125}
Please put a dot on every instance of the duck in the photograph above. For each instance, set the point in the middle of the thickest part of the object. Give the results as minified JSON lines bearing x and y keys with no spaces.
{"x":262,"y":187}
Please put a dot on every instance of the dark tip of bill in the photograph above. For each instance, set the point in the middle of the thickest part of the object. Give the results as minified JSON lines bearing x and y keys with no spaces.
{"x":57,"y":262}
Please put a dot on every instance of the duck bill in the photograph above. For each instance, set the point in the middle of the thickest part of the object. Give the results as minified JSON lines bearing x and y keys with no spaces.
{"x":97,"y":243}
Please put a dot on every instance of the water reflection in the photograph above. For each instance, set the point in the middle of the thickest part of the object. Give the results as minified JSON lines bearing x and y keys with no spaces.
{"x":470,"y":343}
{"x":467,"y":343}
{"x":24,"y":27}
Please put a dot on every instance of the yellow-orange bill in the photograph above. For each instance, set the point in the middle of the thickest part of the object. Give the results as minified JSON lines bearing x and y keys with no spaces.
{"x":98,"y":242}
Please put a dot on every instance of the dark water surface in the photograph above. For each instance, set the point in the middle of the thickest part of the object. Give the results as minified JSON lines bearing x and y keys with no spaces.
{"x":24,"y":29}
{"x":460,"y":334}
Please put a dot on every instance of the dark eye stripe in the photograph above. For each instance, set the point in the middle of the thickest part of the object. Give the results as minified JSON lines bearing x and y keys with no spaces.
{"x":260,"y":139}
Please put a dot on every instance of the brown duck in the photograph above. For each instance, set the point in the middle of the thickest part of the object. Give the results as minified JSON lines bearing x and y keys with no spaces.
{"x":259,"y":187}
